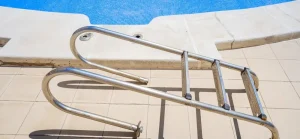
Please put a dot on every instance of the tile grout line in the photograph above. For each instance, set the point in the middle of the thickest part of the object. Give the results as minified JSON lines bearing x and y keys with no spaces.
{"x":148,"y":107}
{"x":231,"y":44}
{"x":154,"y":105}
{"x":187,"y":108}
{"x":190,"y":35}
{"x":245,"y":57}
{"x":67,"y":114}
{"x":25,"y":118}
{"x":276,"y":19}
{"x":9,"y":83}
{"x":109,"y":104}
{"x":271,"y":120}
{"x":298,"y":42}
{"x":232,"y":127}
{"x":286,"y":74}
{"x":286,"y":13}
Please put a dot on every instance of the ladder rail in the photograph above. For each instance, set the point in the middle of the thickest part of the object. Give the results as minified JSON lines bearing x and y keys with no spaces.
{"x":125,"y":37}
{"x":139,"y":89}
{"x":252,"y":95}
{"x":186,"y":91}
{"x":219,"y":84}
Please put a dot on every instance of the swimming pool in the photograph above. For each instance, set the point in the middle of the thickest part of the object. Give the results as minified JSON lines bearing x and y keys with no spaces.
{"x":133,"y":11}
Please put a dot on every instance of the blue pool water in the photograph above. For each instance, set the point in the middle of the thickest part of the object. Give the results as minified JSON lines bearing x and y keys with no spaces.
{"x":133,"y":11}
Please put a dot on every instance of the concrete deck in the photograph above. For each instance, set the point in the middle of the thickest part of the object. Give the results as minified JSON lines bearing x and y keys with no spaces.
{"x":42,"y":38}
{"x":24,"y":112}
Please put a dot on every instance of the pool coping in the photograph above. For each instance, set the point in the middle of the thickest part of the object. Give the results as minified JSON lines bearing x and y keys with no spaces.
{"x":216,"y":30}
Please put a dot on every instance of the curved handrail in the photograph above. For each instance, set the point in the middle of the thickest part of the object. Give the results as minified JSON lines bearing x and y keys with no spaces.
{"x":59,"y":105}
{"x":142,"y":90}
{"x":145,"y":43}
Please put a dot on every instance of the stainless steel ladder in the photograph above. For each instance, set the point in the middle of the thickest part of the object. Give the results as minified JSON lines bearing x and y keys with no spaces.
{"x":250,"y":81}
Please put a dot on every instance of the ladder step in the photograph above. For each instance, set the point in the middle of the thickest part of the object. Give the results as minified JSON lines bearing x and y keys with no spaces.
{"x":185,"y":76}
{"x":221,"y":94}
{"x":253,"y":98}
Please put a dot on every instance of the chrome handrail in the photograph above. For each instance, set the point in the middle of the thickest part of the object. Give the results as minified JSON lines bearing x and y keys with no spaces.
{"x":125,"y":37}
{"x":143,"y":90}
{"x":250,"y":79}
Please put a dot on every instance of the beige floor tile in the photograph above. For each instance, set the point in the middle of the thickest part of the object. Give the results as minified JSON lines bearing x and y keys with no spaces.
{"x":63,"y":88}
{"x":78,"y":123}
{"x":209,"y":125}
{"x":279,"y":95}
{"x":234,"y":53}
{"x":43,"y":116}
{"x":34,"y":137}
{"x":267,"y":69}
{"x":177,"y":74}
{"x":296,"y":86}
{"x":202,"y":84}
{"x":247,"y":130}
{"x":173,"y":86}
{"x":7,"y":136}
{"x":23,"y":87}
{"x":286,"y":50}
{"x":237,"y":95}
{"x":34,"y":71}
{"x":9,"y":70}
{"x":165,"y":82}
{"x":259,"y":52}
{"x":165,"y":85}
{"x":287,"y":122}
{"x":93,"y":92}
{"x":291,"y":68}
{"x":4,"y":82}
{"x":168,"y":122}
{"x":233,"y":74}
{"x":121,"y":96}
{"x":207,"y":97}
{"x":203,"y":90}
{"x":128,"y":113}
{"x":12,"y":115}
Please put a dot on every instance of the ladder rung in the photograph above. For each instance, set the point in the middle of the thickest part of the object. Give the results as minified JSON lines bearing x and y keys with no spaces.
{"x":221,"y":94}
{"x":185,"y":76}
{"x":254,"y":101}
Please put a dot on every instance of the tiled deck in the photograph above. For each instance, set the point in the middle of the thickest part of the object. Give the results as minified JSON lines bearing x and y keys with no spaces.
{"x":24,"y":112}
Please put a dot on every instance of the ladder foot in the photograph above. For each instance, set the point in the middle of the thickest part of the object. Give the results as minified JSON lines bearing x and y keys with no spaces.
{"x":226,"y":106}
{"x":262,"y":116}
{"x":188,"y":96}
{"x":139,"y":129}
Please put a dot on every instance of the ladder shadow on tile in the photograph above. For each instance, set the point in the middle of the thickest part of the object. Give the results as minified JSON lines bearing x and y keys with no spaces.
{"x":77,"y":134}
{"x":88,"y":84}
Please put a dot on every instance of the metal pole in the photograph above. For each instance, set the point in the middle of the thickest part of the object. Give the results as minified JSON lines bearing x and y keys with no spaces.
{"x":143,"y":90}
{"x":49,"y":96}
{"x":218,"y":79}
{"x":145,"y":43}
{"x":98,"y":66}
{"x":253,"y":97}
{"x":185,"y":76}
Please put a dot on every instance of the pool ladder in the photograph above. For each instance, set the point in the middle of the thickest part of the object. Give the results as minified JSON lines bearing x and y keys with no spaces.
{"x":249,"y":78}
